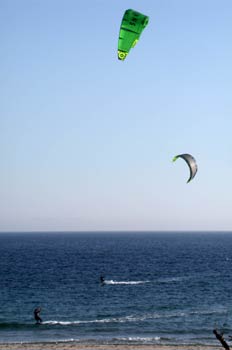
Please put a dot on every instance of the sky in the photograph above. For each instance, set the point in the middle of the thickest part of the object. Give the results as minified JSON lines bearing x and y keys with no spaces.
{"x":87,"y":141}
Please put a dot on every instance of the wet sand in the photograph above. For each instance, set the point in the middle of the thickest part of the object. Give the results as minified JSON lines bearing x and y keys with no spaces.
{"x":79,"y":346}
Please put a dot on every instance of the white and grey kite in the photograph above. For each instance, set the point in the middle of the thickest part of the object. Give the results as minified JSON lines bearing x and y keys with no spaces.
{"x":190,"y":160}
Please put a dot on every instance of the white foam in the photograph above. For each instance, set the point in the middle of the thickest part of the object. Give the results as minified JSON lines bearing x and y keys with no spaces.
{"x":103,"y":320}
{"x":140,"y":339}
{"x":61,"y":323}
{"x":136,"y":318}
{"x":124,"y":282}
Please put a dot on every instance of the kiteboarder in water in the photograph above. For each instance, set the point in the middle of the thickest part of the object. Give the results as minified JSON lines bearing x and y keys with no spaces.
{"x":102,"y":280}
{"x":36,"y":315}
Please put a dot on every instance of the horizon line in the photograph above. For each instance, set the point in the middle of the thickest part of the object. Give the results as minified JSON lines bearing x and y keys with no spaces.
{"x":118,"y":231}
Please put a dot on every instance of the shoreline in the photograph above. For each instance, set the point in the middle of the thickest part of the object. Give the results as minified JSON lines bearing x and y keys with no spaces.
{"x":84,"y":346}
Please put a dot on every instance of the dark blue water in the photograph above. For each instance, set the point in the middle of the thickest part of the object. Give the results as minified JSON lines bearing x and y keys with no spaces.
{"x":161,"y":288}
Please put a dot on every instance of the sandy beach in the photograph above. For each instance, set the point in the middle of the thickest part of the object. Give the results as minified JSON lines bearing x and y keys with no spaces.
{"x":78,"y":346}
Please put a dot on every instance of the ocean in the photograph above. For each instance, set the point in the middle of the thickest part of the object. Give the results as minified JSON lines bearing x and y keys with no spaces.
{"x":160,"y":288}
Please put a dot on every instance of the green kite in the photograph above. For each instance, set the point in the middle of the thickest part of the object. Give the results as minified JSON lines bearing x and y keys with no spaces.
{"x":133,"y":23}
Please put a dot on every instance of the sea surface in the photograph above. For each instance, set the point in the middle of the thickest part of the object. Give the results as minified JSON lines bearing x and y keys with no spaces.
{"x":160,"y":288}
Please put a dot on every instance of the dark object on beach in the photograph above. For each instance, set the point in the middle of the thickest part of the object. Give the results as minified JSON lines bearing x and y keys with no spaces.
{"x":36,"y":315}
{"x":221,"y":339}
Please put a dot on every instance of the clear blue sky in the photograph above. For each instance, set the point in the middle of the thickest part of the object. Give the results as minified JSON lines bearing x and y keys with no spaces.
{"x":87,"y":141}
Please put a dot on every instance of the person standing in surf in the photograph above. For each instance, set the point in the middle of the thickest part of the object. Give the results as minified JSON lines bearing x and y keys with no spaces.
{"x":36,"y":315}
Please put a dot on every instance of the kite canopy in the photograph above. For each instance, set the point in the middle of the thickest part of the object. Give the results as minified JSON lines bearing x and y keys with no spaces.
{"x":191,"y":163}
{"x":133,"y":23}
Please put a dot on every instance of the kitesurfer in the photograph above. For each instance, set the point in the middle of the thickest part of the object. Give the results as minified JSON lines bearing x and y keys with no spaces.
{"x":102,"y":279}
{"x":36,"y":315}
